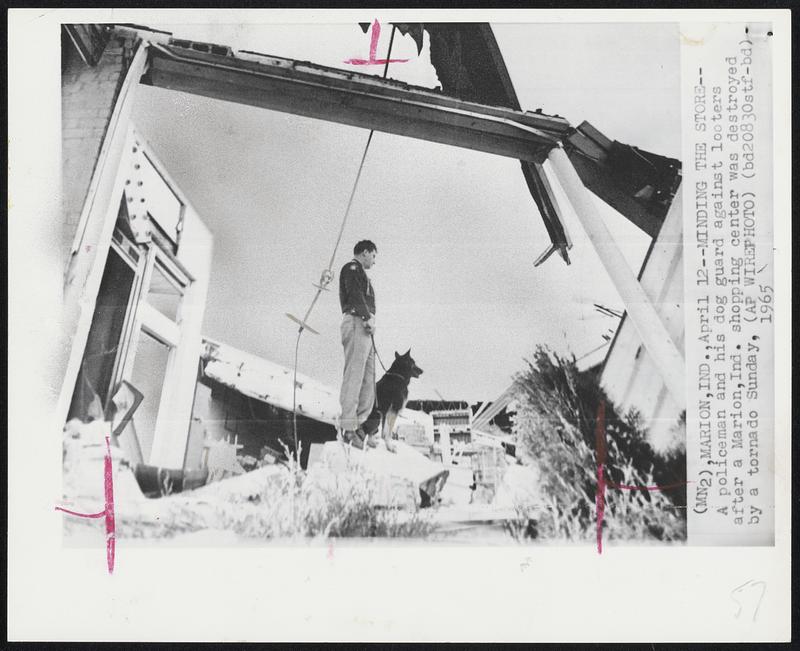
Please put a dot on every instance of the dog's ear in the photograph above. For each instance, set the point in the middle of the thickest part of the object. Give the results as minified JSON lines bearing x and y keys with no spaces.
{"x":396,"y":355}
{"x":408,"y":353}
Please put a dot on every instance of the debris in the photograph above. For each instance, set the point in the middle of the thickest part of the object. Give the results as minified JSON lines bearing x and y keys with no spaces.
{"x":246,"y":486}
{"x":220,"y":459}
{"x":83,"y":465}
{"x":126,"y":401}
{"x":488,"y":467}
{"x":160,"y":482}
{"x":405,"y":472}
{"x":519,"y":485}
{"x":269,"y":382}
{"x":274,"y":501}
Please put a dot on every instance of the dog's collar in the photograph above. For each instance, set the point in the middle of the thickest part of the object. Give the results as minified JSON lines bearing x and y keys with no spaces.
{"x":402,"y":377}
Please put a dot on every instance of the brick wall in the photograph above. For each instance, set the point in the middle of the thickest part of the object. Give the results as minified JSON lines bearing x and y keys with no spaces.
{"x":88,"y":95}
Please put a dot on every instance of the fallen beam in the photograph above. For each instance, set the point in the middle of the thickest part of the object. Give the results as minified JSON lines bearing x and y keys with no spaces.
{"x":371,"y":102}
{"x":638,"y":184}
{"x":657,"y":341}
{"x":354,"y":99}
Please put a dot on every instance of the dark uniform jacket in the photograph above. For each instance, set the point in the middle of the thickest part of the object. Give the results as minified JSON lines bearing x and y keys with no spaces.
{"x":356,"y":295}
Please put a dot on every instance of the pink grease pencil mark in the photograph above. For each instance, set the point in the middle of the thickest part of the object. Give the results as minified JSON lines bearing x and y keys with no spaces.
{"x":373,"y":50}
{"x":111,"y":538}
{"x":81,"y":515}
{"x":108,"y":512}
{"x":600,"y":496}
{"x":626,"y":487}
{"x":602,"y":484}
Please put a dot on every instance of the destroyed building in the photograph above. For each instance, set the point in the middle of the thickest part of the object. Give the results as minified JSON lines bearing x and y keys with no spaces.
{"x":248,"y":401}
{"x":139,"y":255}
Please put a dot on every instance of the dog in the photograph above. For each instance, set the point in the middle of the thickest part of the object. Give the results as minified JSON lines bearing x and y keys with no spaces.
{"x":391,"y":395}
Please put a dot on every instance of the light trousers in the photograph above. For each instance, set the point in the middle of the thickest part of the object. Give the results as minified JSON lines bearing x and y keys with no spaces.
{"x":357,"y":396}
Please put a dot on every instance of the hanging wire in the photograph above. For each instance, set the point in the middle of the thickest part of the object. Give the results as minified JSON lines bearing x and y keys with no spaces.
{"x":594,"y":350}
{"x":327,"y":274}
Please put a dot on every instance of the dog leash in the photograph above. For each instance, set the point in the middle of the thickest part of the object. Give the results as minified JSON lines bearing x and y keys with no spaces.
{"x":327,"y":274}
{"x":375,"y":349}
{"x":374,"y":374}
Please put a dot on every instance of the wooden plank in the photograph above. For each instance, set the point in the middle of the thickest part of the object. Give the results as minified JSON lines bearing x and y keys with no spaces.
{"x":402,"y":120}
{"x":589,"y":131}
{"x":158,"y":325}
{"x":306,"y":73}
{"x":588,"y":146}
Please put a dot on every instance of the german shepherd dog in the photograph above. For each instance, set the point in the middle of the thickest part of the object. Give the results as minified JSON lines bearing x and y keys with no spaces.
{"x":391,"y":395}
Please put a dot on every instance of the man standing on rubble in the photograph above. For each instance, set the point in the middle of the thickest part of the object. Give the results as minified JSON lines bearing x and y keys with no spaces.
{"x":357,"y":299}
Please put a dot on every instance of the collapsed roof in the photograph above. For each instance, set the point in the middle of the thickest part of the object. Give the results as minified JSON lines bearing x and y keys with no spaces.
{"x":268,"y":382}
{"x":476,"y":108}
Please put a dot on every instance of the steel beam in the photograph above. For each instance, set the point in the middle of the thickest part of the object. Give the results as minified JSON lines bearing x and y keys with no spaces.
{"x":656,"y":339}
{"x":371,"y":102}
{"x":355,"y":99}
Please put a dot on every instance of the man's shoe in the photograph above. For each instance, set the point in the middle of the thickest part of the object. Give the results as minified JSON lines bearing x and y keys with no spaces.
{"x":353,"y":438}
{"x":369,"y":439}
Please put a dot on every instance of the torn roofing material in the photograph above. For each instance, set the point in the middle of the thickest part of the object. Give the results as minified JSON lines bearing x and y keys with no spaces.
{"x":467,"y":61}
{"x":269,"y":382}
{"x":470,"y":66}
{"x":477,"y":108}
{"x":638,"y":184}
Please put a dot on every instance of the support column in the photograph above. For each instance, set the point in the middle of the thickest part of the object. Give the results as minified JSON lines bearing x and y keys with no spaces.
{"x":657,"y":341}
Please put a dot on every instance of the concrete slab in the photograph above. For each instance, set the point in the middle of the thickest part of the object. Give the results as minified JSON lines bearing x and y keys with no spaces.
{"x":405,"y":467}
{"x":246,"y":486}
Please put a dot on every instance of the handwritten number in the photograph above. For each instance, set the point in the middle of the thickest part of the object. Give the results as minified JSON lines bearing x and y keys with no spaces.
{"x":749,"y":584}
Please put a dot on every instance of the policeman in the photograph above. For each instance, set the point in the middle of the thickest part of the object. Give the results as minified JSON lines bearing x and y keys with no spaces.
{"x":357,"y":299}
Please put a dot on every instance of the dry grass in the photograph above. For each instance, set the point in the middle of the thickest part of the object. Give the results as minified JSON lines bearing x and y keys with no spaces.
{"x":555,"y":424}
{"x":286,"y":503}
{"x":320,"y":503}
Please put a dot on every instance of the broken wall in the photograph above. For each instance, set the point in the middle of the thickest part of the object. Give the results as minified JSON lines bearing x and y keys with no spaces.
{"x":220,"y":411}
{"x":95,"y":114}
{"x":88,"y":97}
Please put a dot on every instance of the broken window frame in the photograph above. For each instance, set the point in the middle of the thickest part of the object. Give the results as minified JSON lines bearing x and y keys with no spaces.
{"x":133,"y":300}
{"x":151,"y":321}
{"x":120,"y":246}
{"x":140,"y":248}
{"x":141,"y":314}
{"x":156,"y":256}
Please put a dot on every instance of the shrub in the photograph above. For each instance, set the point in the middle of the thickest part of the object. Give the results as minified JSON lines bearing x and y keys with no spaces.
{"x":555,"y":425}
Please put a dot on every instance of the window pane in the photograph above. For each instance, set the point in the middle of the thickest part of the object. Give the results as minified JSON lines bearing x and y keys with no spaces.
{"x":102,"y":346}
{"x":165,"y":293}
{"x":149,"y":370}
{"x":162,"y":204}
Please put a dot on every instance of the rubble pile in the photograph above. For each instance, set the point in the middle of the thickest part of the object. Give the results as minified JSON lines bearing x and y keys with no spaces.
{"x":339,"y":496}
